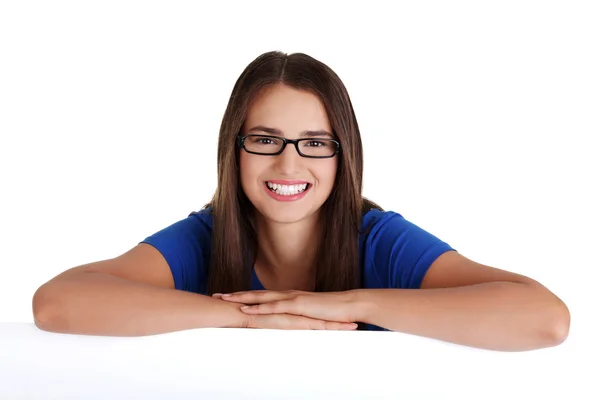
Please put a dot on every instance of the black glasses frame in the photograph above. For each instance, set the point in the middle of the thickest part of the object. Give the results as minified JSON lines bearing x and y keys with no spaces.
{"x":241,"y":139}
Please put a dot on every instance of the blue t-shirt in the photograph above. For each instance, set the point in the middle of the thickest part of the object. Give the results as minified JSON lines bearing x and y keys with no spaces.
{"x":394,"y":253}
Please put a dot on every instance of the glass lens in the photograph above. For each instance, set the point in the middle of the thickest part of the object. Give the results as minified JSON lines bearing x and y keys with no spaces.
{"x":317,"y":147}
{"x":263,"y":144}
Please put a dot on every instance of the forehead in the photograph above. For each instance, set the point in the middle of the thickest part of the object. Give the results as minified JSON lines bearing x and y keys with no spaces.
{"x":288,"y":109}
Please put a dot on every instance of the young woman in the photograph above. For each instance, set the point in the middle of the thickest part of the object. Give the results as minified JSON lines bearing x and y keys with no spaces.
{"x":288,"y":242}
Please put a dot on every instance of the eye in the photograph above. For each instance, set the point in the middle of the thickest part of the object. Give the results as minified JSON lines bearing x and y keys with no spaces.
{"x":265,"y":141}
{"x":262,"y":140}
{"x":315,"y":143}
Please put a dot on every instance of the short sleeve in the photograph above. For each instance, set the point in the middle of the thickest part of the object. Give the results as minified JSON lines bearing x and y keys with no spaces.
{"x":398,"y":253}
{"x":185,"y":245}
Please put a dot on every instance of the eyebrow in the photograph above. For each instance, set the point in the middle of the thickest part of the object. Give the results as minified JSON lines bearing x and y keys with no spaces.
{"x":278,"y":132}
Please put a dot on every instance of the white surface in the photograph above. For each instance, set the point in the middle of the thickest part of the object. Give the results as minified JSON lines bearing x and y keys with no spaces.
{"x":268,"y":364}
{"x":485,"y":112}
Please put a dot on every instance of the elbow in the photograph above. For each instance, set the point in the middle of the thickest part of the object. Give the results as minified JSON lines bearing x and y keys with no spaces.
{"x":552,"y":318}
{"x":556,"y":329}
{"x":562,"y":323}
{"x":44,"y":307}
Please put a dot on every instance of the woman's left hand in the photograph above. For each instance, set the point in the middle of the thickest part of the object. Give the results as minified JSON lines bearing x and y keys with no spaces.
{"x":330,"y":306}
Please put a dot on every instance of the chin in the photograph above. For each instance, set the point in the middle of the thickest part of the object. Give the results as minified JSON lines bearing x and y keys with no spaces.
{"x":285,"y":215}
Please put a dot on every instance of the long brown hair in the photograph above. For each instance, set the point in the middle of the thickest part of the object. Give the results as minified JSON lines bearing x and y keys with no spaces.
{"x":234,"y":242}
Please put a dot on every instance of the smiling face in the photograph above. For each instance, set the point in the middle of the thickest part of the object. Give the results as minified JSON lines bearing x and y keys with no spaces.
{"x":274,"y":184}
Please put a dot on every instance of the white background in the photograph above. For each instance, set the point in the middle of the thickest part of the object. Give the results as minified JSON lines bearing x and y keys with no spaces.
{"x":479,"y":122}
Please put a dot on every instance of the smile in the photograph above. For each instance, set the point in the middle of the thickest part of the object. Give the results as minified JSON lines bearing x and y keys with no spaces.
{"x":287,"y":190}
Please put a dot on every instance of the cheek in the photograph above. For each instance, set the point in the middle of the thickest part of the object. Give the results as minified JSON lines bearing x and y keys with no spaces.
{"x":250,"y":169}
{"x":326,"y":174}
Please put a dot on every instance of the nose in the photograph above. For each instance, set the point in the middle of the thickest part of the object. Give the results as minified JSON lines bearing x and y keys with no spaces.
{"x":289,"y":161}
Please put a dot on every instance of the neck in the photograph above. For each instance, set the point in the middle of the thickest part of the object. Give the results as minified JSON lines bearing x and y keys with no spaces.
{"x":287,"y":253}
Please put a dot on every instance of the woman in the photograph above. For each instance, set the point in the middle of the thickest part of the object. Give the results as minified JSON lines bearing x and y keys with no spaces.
{"x":289,"y":242}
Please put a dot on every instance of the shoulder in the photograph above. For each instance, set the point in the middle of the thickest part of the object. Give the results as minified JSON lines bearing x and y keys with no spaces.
{"x":203,"y":217}
{"x":383,"y":230}
{"x":197,"y":225}
{"x":380,"y":224}
{"x":186,"y":246}
{"x":396,"y":253}
{"x":374,"y":220}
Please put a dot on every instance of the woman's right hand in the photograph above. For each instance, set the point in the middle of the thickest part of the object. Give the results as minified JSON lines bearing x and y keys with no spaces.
{"x":284,"y":321}
{"x":289,"y":321}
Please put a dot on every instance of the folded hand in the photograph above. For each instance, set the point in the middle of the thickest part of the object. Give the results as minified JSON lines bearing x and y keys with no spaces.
{"x":294,"y":309}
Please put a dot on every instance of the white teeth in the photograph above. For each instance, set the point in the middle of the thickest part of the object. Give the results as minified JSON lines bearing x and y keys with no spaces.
{"x":287,"y":190}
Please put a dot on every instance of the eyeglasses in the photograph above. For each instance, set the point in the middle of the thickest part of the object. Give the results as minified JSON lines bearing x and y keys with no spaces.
{"x":265,"y":145}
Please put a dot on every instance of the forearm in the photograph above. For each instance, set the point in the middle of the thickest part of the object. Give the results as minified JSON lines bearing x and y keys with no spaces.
{"x":101,"y":304}
{"x":502,"y":316}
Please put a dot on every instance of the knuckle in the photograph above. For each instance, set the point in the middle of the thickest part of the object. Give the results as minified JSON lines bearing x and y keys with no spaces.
{"x":248,"y":321}
{"x":333,"y":325}
{"x":297,"y":304}
{"x":274,"y":307}
{"x":301,"y":322}
{"x":262,"y":322}
{"x":299,"y":300}
{"x":286,"y":321}
{"x":318,"y":324}
{"x":260,"y":308}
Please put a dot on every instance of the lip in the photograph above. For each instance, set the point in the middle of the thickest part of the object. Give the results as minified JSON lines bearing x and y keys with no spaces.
{"x":288,"y":182}
{"x":280,"y":197}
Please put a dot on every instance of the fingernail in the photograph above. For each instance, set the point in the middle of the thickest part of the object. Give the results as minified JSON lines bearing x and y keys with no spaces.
{"x":227,"y":295}
{"x":217,"y":294}
{"x":244,"y":307}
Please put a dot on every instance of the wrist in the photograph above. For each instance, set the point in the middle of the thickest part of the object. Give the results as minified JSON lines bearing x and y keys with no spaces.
{"x":238,"y":318}
{"x":360,"y":304}
{"x":225,"y":314}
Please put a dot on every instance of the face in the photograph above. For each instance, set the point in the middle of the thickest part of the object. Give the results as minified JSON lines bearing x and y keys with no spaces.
{"x":274,"y":183}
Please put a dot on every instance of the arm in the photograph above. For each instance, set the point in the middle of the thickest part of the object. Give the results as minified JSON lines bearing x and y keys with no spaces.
{"x":130,"y":295}
{"x":460,"y":301}
{"x":468,"y":303}
{"x":134,"y":295}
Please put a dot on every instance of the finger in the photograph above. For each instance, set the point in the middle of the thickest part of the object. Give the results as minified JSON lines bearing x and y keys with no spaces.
{"x":230,"y":296}
{"x":274,"y":307}
{"x":257,"y":296}
{"x":344,"y":326}
{"x":318,"y":324}
{"x":295,"y":322}
{"x":246,"y":291}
